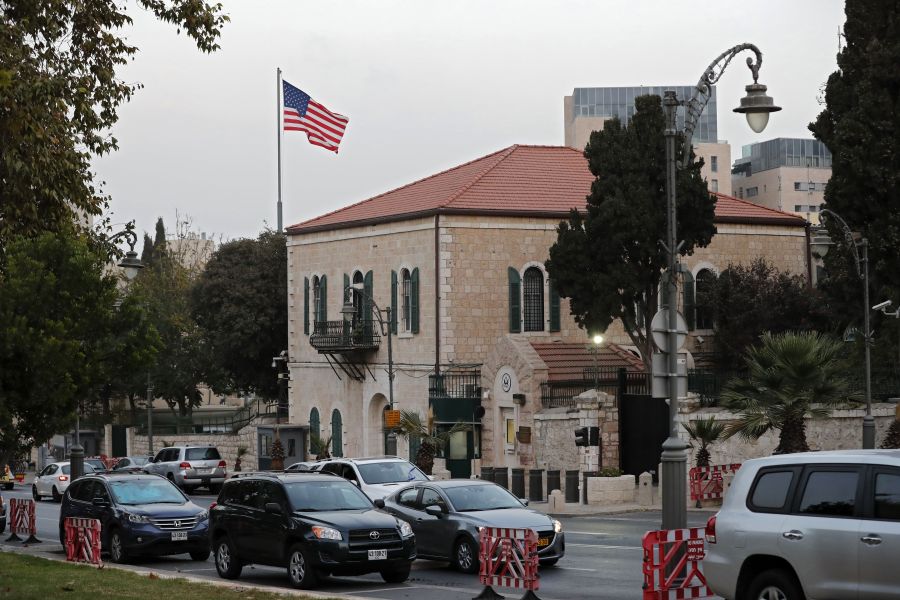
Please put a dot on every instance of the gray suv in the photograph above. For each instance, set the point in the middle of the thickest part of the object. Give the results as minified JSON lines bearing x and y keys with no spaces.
{"x":823,"y":525}
{"x":190,"y":467}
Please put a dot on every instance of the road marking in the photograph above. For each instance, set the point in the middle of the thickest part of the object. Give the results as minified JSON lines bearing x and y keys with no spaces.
{"x":576,"y":569}
{"x":195,"y":570}
{"x":587,"y":533}
{"x":605,"y":547}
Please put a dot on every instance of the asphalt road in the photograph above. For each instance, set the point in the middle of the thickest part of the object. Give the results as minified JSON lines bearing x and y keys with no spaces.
{"x":603,"y":560}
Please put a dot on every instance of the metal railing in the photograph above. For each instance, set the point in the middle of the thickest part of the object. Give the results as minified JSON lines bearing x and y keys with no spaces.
{"x":345,"y":335}
{"x":208,"y":425}
{"x":465,"y":384}
{"x":556,"y":394}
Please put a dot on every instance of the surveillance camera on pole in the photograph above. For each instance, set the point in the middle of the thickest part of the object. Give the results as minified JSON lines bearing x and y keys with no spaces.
{"x":882,"y":305}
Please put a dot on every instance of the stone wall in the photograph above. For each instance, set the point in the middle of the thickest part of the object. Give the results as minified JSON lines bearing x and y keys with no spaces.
{"x":227,"y":445}
{"x":555,"y":432}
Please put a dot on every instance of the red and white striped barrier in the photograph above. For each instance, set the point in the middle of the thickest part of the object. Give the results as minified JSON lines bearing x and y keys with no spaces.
{"x":672,"y":560}
{"x":83,"y":540}
{"x":21,"y":519}
{"x":706,"y":482}
{"x":508,"y":558}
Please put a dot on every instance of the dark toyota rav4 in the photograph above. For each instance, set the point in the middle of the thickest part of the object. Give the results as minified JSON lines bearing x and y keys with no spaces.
{"x":309,"y":523}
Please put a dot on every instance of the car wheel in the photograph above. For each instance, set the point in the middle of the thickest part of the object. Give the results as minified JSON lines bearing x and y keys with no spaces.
{"x":34,"y":493}
{"x":117,"y":551}
{"x":775,"y":584}
{"x":549,"y":563}
{"x":228,"y":566}
{"x":57,"y":497}
{"x":465,"y":556}
{"x":396,"y":575}
{"x":300,"y":569}
{"x":200,"y":555}
{"x":215,"y":488}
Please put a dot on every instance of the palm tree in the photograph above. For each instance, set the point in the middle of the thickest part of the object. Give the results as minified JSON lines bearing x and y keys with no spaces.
{"x":705,"y":432}
{"x":430,"y":438}
{"x":791,"y":375}
{"x":319,"y":446}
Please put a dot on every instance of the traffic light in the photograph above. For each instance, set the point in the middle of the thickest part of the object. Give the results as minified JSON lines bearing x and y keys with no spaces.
{"x":581,"y":436}
{"x":595,"y":436}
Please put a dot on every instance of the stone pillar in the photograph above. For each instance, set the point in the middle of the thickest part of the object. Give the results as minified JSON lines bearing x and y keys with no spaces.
{"x":439,"y":470}
{"x":645,"y":489}
{"x":556,"y":501}
{"x":107,"y":440}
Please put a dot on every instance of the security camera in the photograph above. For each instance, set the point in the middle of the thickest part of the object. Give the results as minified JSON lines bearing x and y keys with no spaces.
{"x":700,"y":339}
{"x":882,"y":305}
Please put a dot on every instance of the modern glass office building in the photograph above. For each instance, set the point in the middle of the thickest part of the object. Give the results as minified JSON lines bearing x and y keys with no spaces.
{"x":619,"y":102}
{"x":783,"y":152}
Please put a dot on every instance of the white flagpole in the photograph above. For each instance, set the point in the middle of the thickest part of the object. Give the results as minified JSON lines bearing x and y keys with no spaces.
{"x":278,"y":117}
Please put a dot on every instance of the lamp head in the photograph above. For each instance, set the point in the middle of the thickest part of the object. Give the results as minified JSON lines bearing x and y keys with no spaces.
{"x":756,"y":106}
{"x":131,"y":264}
{"x":882,"y":305}
{"x":597,"y":339}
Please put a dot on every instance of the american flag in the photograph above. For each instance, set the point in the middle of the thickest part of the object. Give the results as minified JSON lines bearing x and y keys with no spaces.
{"x":302,"y":113}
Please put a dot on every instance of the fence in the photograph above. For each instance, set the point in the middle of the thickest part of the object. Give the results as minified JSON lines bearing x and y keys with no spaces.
{"x":508,"y":558}
{"x":556,"y":394}
{"x":208,"y":425}
{"x":707,"y":483}
{"x":82,"y":540}
{"x":22,"y":520}
{"x":671,"y":566}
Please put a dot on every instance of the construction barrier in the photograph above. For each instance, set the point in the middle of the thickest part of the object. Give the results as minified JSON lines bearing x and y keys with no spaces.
{"x":21,"y":520}
{"x":508,"y":558}
{"x":83,"y":540}
{"x":706,"y":482}
{"x":20,"y":477}
{"x":672,"y":564}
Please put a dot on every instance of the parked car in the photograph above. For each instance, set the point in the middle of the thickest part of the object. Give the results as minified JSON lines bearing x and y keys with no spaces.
{"x":139,"y":515}
{"x":134,"y":464}
{"x":2,"y":515}
{"x":97,"y":463}
{"x":302,"y":466}
{"x":190,"y":467}
{"x":446,"y":517}
{"x":809,"y":525}
{"x":54,"y":480}
{"x":377,"y":477}
{"x":311,"y":524}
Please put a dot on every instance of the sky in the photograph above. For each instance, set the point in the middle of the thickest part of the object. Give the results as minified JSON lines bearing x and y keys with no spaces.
{"x":427,"y":85}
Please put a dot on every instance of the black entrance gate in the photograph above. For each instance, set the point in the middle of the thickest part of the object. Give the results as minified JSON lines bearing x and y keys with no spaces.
{"x":119,"y":440}
{"x":643,"y":427}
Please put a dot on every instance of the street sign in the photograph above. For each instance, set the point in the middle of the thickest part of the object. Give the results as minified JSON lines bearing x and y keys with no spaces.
{"x":659,"y":327}
{"x":660,"y":364}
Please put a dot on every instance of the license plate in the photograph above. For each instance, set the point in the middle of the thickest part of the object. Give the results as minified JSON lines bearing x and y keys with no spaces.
{"x":543,"y":542}
{"x":179,"y":536}
{"x":204,"y":471}
{"x":377,"y":554}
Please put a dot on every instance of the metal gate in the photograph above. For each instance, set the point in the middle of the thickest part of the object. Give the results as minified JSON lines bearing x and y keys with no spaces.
{"x":643,"y":427}
{"x":119,"y":440}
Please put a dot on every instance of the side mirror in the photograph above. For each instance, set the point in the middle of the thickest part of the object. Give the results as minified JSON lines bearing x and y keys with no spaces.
{"x":524,"y":501}
{"x":434,"y":510}
{"x":379,"y":503}
{"x":99,"y":502}
{"x":274,"y":508}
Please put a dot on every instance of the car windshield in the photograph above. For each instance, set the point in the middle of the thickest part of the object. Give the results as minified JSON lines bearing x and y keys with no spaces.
{"x":66,"y":469}
{"x":139,"y":460}
{"x":201,"y":454}
{"x":390,"y":472}
{"x":312,"y":496}
{"x":468,"y":498}
{"x":146,"y":491}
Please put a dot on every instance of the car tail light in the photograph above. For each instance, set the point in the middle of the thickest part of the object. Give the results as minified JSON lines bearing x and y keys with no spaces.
{"x":63,"y":477}
{"x":222,"y":463}
{"x":711,"y":530}
{"x":213,"y":505}
{"x":184,"y":465}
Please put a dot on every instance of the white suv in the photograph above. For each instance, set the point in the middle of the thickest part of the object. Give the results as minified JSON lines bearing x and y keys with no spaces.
{"x":823,"y":525}
{"x":377,"y":477}
{"x":190,"y":467}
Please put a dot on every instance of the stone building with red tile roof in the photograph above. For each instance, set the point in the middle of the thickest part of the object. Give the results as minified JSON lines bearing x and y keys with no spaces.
{"x":459,"y":257}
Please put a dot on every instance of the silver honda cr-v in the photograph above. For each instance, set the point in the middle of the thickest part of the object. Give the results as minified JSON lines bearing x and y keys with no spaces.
{"x":816,"y":525}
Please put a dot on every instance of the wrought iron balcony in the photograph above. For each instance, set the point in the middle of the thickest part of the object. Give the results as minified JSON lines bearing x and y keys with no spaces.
{"x":330,"y":337}
{"x":454,"y":395}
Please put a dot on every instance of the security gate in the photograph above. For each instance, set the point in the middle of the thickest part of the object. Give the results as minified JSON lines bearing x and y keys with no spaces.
{"x":643,"y":427}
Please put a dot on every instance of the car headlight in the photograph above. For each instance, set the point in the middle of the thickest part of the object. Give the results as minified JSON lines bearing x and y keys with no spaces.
{"x":203,"y":515}
{"x":405,"y":529}
{"x":138,"y":518}
{"x":326,"y":533}
{"x":557,"y":526}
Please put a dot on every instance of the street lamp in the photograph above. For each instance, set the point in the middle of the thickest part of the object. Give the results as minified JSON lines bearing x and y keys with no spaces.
{"x":756,"y":105}
{"x":349,"y":308}
{"x":594,"y":349}
{"x":862,"y":271}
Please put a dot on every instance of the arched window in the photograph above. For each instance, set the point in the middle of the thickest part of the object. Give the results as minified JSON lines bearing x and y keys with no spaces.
{"x":337,"y":441}
{"x":405,"y":300}
{"x":315,"y":433}
{"x":703,"y":283}
{"x":533,"y":297}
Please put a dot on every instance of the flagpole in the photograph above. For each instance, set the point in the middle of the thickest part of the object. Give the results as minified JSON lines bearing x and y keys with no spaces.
{"x":278,"y":117}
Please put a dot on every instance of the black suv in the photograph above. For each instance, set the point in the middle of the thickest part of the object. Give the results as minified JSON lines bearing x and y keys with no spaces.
{"x":312,"y":524}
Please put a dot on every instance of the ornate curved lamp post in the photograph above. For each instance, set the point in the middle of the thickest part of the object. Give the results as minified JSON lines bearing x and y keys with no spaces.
{"x":756,"y":105}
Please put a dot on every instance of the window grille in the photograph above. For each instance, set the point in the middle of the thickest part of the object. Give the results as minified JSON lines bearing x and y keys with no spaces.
{"x":533,"y":286}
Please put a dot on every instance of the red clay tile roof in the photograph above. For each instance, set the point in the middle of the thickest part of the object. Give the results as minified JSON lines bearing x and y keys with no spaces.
{"x":546,"y":181}
{"x":568,"y":361}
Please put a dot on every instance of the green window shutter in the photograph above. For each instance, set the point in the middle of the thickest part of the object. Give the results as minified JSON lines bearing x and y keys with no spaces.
{"x":323,"y":298}
{"x":306,"y":305}
{"x":368,"y":315}
{"x":554,"y":308}
{"x":689,"y":292}
{"x":315,"y":433}
{"x":337,"y":438}
{"x":346,"y":294}
{"x":394,"y":302}
{"x":515,"y":301}
{"x":414,"y":300}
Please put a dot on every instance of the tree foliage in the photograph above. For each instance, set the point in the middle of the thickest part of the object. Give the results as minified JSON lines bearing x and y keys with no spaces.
{"x":240,"y":302}
{"x":861,"y":126}
{"x":705,"y":432}
{"x":748,"y":300}
{"x":790,"y":375}
{"x":59,"y":96}
{"x":64,"y":335}
{"x":608,"y":262}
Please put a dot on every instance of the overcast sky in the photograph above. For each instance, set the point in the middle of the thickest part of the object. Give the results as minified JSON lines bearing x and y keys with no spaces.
{"x":427,"y":85}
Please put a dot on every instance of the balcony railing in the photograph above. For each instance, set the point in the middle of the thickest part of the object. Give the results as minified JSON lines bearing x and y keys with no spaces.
{"x":455,"y":395}
{"x":345,"y":335}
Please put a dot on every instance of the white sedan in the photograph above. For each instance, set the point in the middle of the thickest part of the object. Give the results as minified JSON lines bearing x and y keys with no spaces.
{"x":54,"y":480}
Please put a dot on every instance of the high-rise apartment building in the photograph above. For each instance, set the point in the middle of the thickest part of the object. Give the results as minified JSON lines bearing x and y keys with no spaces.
{"x":787,"y":174}
{"x":588,"y":109}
